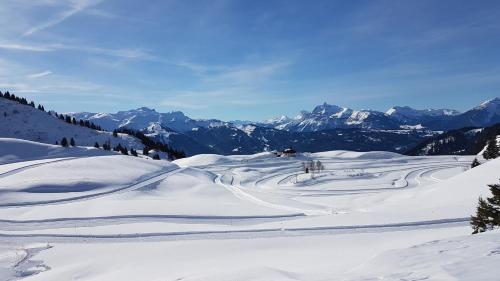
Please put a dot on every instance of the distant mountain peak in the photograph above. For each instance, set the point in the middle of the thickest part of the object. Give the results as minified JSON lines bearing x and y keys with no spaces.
{"x":409,"y":112}
{"x":326,"y":108}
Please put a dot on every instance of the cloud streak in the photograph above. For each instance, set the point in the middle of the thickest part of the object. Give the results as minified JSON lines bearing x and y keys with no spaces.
{"x":40,"y":75}
{"x":21,"y":47}
{"x":76,"y":7}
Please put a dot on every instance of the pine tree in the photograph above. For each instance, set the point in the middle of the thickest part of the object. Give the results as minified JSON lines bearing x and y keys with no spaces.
{"x":480,"y":222}
{"x":145,"y":151}
{"x":64,"y":142}
{"x":72,"y":142}
{"x":492,"y":150}
{"x":488,"y":212}
{"x":124,"y":150}
{"x":475,"y":163}
{"x":156,"y":157}
{"x":133,"y":152}
{"x":96,"y":145}
{"x":494,"y":202}
{"x":115,"y":133}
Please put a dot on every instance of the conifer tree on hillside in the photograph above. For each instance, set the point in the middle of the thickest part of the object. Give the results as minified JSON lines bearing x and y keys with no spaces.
{"x":156,"y":157}
{"x":124,"y":150}
{"x":475,"y":163}
{"x":106,"y":145}
{"x":72,"y":142}
{"x":118,"y":147}
{"x":488,"y":212}
{"x":96,"y":145}
{"x":64,"y":142}
{"x":492,"y":150}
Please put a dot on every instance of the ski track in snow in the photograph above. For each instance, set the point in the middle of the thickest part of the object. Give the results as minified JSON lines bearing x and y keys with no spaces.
{"x":237,"y":234}
{"x":31,"y":166}
{"x":137,"y":185}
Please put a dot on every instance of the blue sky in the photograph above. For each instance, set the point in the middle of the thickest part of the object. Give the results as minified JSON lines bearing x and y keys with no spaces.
{"x":249,"y":59}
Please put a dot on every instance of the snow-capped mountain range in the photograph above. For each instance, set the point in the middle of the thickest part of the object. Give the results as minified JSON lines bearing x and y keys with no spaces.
{"x":328,"y":116}
{"x":326,"y":127}
{"x":322,"y":117}
{"x":305,"y":131}
{"x":143,"y":117}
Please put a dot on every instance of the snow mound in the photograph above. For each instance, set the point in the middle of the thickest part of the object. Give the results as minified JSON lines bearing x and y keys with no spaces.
{"x":473,"y":257}
{"x":15,"y":150}
{"x":461,"y":193}
{"x":357,"y":155}
{"x":76,"y":177}
{"x":202,"y":160}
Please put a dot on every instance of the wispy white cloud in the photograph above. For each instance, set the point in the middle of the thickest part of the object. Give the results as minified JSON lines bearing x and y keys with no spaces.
{"x":121,"y":52}
{"x":40,"y":74}
{"x":76,"y":6}
{"x":247,"y":74}
{"x":22,"y":47}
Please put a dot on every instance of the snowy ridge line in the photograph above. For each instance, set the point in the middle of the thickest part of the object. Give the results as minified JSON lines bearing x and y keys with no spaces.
{"x":241,"y":234}
{"x":140,"y":183}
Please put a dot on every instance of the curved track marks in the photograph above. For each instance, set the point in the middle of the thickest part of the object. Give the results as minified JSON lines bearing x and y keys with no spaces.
{"x":139,"y":184}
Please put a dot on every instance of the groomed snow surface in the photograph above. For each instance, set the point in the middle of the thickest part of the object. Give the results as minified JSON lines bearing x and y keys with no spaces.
{"x":84,"y":214}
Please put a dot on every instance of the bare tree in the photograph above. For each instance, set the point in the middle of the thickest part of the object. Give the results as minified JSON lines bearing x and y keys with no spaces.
{"x":319,"y":166}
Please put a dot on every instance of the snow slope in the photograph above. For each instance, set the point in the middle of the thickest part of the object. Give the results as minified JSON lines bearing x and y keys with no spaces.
{"x":25,"y":122}
{"x":17,"y":150}
{"x":245,"y":217}
{"x":461,"y":258}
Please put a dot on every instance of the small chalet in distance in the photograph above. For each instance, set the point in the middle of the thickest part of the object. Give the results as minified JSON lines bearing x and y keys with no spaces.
{"x":286,"y":152}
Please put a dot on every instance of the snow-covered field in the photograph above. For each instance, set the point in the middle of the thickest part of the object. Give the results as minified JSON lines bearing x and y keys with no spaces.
{"x":82,"y":214}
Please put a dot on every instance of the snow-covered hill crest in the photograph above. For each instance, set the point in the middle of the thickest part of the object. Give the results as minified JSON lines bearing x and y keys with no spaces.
{"x":25,"y":122}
